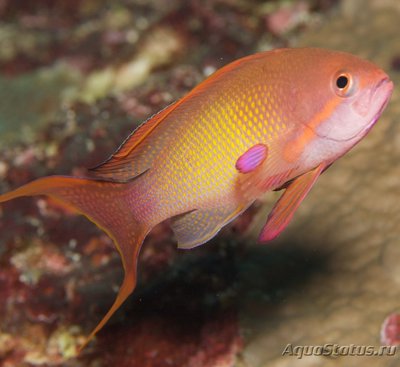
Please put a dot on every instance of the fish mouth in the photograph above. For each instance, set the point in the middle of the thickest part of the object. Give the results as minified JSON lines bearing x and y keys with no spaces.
{"x":383,"y":83}
{"x":388,"y":85}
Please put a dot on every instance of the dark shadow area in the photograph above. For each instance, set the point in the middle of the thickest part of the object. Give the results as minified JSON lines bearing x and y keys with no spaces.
{"x":205,"y":286}
{"x":227,"y":271}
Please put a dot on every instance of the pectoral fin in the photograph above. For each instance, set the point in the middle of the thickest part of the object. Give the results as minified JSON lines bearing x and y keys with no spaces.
{"x":285,"y":207}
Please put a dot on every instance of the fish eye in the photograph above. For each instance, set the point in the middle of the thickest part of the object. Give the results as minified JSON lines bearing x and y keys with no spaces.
{"x":342,"y":81}
{"x":343,"y":84}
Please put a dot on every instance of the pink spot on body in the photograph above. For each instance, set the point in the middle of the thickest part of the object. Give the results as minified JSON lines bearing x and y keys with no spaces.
{"x":252,"y":158}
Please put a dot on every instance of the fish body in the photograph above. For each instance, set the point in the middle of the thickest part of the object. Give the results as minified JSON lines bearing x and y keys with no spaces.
{"x":271,"y":120}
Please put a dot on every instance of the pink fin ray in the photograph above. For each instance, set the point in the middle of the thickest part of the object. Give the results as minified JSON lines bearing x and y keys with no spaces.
{"x":284,"y":209}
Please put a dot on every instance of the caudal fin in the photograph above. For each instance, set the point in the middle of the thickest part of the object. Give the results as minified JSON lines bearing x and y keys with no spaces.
{"x":107,"y":205}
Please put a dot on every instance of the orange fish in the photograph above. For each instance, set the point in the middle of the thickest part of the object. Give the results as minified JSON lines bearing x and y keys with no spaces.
{"x":273,"y":120}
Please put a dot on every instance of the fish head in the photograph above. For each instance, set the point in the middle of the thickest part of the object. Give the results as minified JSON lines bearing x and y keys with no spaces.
{"x":341,"y":98}
{"x":349,"y":95}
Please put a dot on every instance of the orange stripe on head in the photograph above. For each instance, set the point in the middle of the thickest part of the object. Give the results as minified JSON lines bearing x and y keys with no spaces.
{"x":294,"y":148}
{"x":325,"y":113}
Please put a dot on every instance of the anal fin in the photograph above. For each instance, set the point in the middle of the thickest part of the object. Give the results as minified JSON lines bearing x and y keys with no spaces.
{"x":288,"y":203}
{"x":199,"y":226}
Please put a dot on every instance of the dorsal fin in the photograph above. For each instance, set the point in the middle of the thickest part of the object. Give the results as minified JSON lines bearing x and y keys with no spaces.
{"x":144,"y":129}
{"x":127,"y":162}
{"x":115,"y":162}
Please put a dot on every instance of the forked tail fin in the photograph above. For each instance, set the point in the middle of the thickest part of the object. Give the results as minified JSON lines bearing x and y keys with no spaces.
{"x":107,"y":205}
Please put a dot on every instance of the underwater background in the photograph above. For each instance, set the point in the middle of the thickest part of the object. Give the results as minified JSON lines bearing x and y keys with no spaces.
{"x":76,"y":77}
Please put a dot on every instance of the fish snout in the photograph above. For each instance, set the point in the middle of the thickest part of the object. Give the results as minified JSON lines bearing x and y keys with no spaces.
{"x":384,"y":86}
{"x":374,"y":98}
{"x":382,"y":92}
